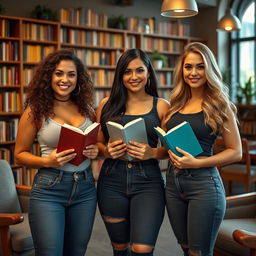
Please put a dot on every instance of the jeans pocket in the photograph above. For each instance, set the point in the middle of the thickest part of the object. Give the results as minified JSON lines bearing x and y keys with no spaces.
{"x":43,"y":180}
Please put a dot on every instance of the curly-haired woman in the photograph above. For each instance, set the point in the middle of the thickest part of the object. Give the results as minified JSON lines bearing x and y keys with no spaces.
{"x":195,"y":196}
{"x":63,"y":197}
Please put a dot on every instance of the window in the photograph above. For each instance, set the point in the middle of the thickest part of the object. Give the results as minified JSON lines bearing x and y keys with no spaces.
{"x":243,"y":46}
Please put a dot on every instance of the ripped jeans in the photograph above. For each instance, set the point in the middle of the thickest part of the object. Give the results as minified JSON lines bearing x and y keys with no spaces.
{"x":196,"y":203}
{"x":132,"y":192}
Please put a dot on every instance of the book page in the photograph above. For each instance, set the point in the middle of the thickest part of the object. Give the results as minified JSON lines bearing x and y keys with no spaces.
{"x":90,"y":128}
{"x":115,"y":124}
{"x":176,"y":127}
{"x":133,"y":122}
{"x":73,"y":128}
{"x":160,"y":130}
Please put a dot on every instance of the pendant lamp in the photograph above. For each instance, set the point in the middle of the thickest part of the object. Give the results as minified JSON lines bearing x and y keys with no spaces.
{"x":229,"y":22}
{"x":179,"y":8}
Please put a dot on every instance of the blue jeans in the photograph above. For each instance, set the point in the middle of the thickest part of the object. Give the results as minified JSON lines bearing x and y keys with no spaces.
{"x":196,"y":205}
{"x":61,"y":212}
{"x":133,"y":192}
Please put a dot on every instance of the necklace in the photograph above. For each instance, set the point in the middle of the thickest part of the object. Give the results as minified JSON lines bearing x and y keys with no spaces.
{"x":62,"y":100}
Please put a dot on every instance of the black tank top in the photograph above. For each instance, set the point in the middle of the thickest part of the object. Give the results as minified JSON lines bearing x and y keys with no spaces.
{"x":151,"y":120}
{"x":202,"y":131}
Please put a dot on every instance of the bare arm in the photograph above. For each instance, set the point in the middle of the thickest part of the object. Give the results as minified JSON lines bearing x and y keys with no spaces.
{"x":27,"y":132}
{"x":232,"y":153}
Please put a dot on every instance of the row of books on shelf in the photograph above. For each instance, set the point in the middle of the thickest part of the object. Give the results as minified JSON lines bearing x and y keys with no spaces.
{"x":35,"y":53}
{"x":91,"y":38}
{"x":164,"y":78}
{"x":42,"y":32}
{"x":102,"y":77}
{"x":9,"y":75}
{"x":8,"y":129}
{"x":98,"y":57}
{"x":166,"y":45}
{"x":86,"y":17}
{"x":10,"y":101}
{"x":9,"y":51}
{"x":6,"y":28}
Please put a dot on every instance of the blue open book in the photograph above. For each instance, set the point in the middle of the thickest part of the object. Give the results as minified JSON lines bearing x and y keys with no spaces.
{"x":181,"y":136}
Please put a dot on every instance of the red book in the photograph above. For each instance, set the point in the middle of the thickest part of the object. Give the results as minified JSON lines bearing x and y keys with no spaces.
{"x":73,"y":137}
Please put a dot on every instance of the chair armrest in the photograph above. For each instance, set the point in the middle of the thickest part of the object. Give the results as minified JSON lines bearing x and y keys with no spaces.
{"x":23,"y":194}
{"x":241,"y":206}
{"x":245,"y":238}
{"x":7,"y":219}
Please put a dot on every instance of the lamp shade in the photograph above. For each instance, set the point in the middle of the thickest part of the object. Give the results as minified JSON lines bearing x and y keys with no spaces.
{"x":179,"y":8}
{"x":229,"y":22}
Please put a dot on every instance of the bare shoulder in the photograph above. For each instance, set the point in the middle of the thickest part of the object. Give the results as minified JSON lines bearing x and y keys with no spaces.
{"x":100,"y":107}
{"x":162,"y":107}
{"x":163,"y":104}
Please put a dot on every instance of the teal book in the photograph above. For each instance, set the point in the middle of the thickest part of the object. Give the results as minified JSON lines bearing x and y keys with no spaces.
{"x":181,"y":136}
{"x":135,"y":130}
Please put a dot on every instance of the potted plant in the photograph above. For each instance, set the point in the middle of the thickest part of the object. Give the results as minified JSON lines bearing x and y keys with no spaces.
{"x":119,"y":22}
{"x":159,"y":60}
{"x":248,"y":90}
{"x":1,"y":9}
{"x":41,"y":12}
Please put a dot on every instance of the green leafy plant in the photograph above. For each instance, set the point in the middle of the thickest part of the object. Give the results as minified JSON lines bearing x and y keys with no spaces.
{"x":248,"y":90}
{"x":117,"y":22}
{"x":158,"y":56}
{"x":1,"y":9}
{"x":41,"y":12}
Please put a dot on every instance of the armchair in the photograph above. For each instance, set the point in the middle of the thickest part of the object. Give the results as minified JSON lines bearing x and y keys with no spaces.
{"x":15,"y":235}
{"x":237,"y":234}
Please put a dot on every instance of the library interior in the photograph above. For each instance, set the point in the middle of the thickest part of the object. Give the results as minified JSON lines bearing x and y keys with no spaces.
{"x":99,"y":32}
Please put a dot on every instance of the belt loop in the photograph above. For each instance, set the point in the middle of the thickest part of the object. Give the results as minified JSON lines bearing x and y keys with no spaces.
{"x":60,"y":175}
{"x":86,"y":173}
{"x":140,"y":165}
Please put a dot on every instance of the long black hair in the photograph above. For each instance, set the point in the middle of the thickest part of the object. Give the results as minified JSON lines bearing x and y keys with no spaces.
{"x":116,"y":104}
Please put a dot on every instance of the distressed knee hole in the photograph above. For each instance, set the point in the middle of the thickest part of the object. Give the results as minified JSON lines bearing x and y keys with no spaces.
{"x":113,"y":220}
{"x":120,"y":247}
{"x":141,"y":248}
{"x":194,"y":253}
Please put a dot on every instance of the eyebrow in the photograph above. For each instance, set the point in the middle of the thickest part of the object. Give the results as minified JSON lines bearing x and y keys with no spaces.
{"x":135,"y":68}
{"x":72,"y":71}
{"x":202,"y":63}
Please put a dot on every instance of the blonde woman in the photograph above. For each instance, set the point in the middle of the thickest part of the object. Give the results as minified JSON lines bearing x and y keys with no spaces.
{"x":195,"y":194}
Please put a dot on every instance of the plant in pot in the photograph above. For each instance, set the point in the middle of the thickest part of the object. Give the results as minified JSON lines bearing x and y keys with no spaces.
{"x":119,"y":22}
{"x":248,"y":90}
{"x":159,"y":60}
{"x":41,"y":12}
{"x":1,"y":9}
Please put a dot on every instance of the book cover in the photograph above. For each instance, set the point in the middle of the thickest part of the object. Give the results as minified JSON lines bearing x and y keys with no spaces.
{"x":133,"y":131}
{"x":73,"y":137}
{"x":181,"y":136}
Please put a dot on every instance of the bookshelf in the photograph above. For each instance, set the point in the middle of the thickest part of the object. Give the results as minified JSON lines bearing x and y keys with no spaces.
{"x":24,"y":42}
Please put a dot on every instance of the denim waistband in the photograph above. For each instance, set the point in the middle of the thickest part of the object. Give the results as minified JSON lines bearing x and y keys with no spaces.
{"x":206,"y":171}
{"x":142,"y":163}
{"x":62,"y":174}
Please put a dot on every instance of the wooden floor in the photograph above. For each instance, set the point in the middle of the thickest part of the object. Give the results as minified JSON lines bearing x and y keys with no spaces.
{"x":166,"y":245}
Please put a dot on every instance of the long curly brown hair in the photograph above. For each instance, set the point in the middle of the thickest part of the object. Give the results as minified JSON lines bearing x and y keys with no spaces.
{"x":40,"y":95}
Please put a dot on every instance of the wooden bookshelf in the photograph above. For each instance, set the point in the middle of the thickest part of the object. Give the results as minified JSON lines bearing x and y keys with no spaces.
{"x":25,"y":42}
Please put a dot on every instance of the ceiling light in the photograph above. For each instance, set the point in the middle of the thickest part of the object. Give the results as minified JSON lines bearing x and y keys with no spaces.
{"x":229,"y":22}
{"x":179,"y":8}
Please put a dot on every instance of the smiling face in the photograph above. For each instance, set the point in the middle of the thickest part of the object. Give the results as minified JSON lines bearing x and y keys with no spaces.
{"x":194,"y":70}
{"x":64,"y":79}
{"x":135,"y":76}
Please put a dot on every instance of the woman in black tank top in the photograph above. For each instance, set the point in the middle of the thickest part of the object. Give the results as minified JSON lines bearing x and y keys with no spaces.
{"x":131,"y":193}
{"x":195,"y":196}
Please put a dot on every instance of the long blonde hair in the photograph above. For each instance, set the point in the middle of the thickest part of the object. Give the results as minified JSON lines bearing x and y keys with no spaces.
{"x":215,"y":100}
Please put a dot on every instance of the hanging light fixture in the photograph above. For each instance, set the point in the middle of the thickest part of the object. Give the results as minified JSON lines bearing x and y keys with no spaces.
{"x":179,"y":8}
{"x":229,"y":22}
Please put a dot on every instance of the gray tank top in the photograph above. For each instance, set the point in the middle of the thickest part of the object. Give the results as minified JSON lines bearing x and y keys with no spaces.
{"x":48,"y":137}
